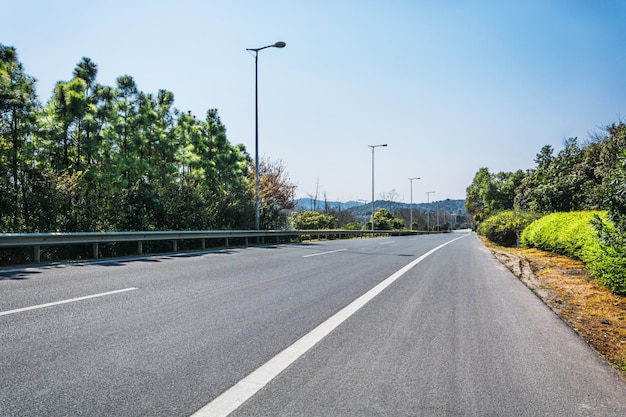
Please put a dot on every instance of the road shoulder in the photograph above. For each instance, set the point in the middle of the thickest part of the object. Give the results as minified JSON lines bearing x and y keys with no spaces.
{"x":564,"y":284}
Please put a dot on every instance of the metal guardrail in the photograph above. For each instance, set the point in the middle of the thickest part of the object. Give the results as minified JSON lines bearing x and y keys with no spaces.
{"x":37,"y":240}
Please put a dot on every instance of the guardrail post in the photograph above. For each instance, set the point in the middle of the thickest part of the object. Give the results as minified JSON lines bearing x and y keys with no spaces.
{"x":140,"y":247}
{"x":175,"y":246}
{"x":246,"y":241}
{"x":226,"y":243}
{"x":37,"y":253}
{"x":203,"y":244}
{"x":96,"y":252}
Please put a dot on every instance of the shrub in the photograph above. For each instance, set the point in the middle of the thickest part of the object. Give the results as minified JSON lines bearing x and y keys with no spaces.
{"x":384,"y":220}
{"x":503,"y":228}
{"x":312,"y":220}
{"x":354,"y":226}
{"x":573,"y":234}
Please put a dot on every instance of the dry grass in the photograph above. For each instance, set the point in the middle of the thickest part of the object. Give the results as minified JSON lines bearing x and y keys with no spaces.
{"x":564,"y":284}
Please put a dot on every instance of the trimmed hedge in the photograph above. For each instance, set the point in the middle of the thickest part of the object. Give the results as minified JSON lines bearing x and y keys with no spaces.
{"x":572,"y":234}
{"x":503,"y":228}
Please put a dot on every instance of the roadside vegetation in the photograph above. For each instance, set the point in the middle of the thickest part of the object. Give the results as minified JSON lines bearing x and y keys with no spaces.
{"x":95,"y":157}
{"x":573,"y":234}
{"x":561,"y":227}
{"x":504,"y":228}
{"x":314,"y":220}
{"x":572,"y":204}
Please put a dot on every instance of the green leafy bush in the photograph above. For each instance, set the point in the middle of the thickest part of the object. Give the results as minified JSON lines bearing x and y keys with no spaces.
{"x":312,"y":220}
{"x":503,"y":228}
{"x":563,"y":233}
{"x":354,"y":226}
{"x":573,"y":234}
{"x":384,"y":220}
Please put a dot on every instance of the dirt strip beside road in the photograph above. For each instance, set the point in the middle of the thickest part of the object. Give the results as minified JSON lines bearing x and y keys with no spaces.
{"x":567,"y":288}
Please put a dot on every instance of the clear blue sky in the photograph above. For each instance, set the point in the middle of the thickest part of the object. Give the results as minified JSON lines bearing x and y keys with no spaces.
{"x":451,"y":86}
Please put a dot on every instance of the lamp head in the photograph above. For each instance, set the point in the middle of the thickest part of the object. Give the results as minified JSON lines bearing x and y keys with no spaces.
{"x":280,"y":44}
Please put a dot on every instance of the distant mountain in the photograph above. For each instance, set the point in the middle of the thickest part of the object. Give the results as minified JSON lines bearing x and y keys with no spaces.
{"x":321,"y":205}
{"x":358,"y":207}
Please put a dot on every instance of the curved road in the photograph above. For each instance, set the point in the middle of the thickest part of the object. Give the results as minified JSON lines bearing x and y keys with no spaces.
{"x":402,"y":326}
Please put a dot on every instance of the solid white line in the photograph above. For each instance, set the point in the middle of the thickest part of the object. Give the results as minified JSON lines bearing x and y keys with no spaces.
{"x":239,"y":393}
{"x":71,"y":300}
{"x":386,"y":243}
{"x":323,"y":253}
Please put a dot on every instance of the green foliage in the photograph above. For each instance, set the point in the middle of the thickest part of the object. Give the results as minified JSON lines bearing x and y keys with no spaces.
{"x":354,"y":226}
{"x":578,"y":178}
{"x":616,"y":203}
{"x":101,"y":158}
{"x":562,"y":233}
{"x":504,"y":228}
{"x":384,"y":220}
{"x":566,"y":182}
{"x":312,"y":220}
{"x":18,"y":106}
{"x":490,"y":193}
{"x":573,"y":234}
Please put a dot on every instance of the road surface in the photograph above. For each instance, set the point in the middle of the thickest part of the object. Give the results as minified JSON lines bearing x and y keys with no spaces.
{"x":399,"y":326}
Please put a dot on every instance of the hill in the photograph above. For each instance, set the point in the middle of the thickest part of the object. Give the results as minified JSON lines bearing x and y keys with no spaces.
{"x":359,"y":208}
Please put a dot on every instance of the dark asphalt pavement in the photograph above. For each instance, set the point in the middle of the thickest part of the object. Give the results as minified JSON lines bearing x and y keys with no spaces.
{"x":457,"y":334}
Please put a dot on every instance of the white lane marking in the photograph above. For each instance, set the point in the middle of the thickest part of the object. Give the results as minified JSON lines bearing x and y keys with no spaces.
{"x":386,"y":243}
{"x":323,"y":253}
{"x":71,"y":300}
{"x":235,"y":396}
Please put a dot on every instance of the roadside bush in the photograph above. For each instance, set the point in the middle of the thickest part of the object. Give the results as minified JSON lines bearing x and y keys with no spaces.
{"x":573,"y":234}
{"x":563,"y":233}
{"x":503,"y":228}
{"x":384,"y":220}
{"x":312,"y":220}
{"x":354,"y":226}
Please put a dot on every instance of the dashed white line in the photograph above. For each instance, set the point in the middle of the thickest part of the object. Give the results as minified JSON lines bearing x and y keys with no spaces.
{"x":239,"y":393}
{"x":71,"y":300}
{"x":323,"y":253}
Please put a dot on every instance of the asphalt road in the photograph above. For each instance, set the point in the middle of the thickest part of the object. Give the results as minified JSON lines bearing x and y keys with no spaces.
{"x":367,"y":327}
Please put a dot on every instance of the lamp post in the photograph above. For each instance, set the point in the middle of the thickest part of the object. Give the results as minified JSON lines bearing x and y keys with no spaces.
{"x":428,"y":193}
{"x":257,"y":215}
{"x":373,"y":147}
{"x":411,"y":206}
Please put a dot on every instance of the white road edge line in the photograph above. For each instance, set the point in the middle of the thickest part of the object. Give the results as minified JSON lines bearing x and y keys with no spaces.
{"x":235,"y":396}
{"x":323,"y":253}
{"x":71,"y":300}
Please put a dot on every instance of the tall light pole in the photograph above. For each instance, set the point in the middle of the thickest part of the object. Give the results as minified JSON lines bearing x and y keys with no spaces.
{"x":257,"y":215}
{"x":373,"y":147}
{"x":428,"y":193}
{"x":411,"y":206}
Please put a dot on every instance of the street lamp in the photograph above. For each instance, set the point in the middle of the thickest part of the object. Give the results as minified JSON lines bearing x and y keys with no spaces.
{"x":428,"y":193}
{"x":256,"y":130}
{"x":411,"y":206}
{"x":373,"y":146}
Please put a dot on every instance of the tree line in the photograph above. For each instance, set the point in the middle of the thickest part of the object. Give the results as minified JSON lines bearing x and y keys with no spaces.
{"x":588,"y":176}
{"x":572,"y":203}
{"x":114,"y":158}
